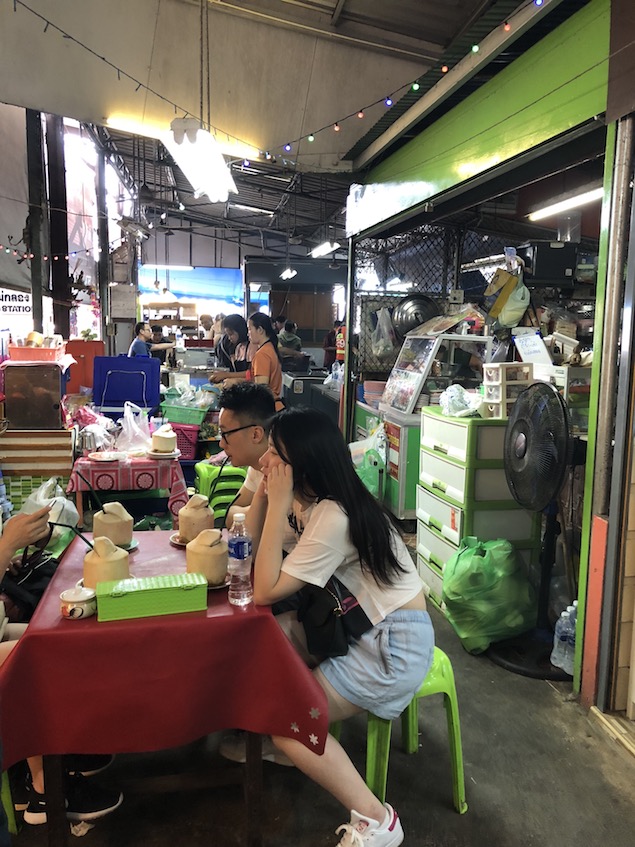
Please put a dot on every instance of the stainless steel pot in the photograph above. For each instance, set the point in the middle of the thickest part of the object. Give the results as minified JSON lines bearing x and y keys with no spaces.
{"x":412,"y":311}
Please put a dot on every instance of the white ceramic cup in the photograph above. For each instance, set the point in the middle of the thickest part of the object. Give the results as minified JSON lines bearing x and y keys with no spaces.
{"x":78,"y":603}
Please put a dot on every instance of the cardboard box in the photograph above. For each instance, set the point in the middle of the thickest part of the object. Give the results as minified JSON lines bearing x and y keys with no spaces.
{"x":145,"y":597}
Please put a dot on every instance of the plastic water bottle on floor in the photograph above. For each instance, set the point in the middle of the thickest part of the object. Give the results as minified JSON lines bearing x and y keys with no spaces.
{"x":567,"y":634}
{"x":557,"y":657}
{"x":239,"y":565}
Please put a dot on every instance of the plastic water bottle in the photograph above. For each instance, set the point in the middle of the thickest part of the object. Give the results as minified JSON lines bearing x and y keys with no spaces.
{"x":573,"y":615}
{"x":567,"y":634}
{"x":557,"y":657}
{"x":239,"y":565}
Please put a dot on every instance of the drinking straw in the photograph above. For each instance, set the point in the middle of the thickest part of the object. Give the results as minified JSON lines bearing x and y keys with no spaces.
{"x":75,"y":530}
{"x":91,"y":489}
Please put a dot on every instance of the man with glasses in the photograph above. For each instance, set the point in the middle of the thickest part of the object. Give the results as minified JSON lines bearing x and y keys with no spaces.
{"x":243,"y":423}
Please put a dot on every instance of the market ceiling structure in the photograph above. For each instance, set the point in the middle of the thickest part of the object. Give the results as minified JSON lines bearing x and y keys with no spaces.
{"x":294,"y":90}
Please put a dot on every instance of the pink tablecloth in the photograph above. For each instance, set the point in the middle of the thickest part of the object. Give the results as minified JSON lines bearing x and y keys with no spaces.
{"x":138,"y":685}
{"x":135,"y":474}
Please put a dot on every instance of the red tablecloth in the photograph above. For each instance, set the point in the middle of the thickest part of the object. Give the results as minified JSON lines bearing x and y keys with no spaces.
{"x":135,"y":474}
{"x":131,"y":686}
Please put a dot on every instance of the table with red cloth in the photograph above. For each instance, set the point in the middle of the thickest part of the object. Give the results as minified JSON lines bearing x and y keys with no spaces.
{"x":132,"y":474}
{"x":90,"y":686}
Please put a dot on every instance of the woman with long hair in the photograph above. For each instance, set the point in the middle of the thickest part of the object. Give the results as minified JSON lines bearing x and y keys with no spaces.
{"x":312,"y":504}
{"x":234,"y":350}
{"x":265,"y":366}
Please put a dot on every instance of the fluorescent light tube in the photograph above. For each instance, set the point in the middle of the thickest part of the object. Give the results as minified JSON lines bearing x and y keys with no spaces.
{"x":196,"y":153}
{"x":324,"y":249}
{"x":565,"y":205}
{"x":288,"y":273}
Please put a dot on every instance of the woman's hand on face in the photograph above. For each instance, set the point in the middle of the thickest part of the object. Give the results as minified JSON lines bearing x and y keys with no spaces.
{"x":280,"y":486}
{"x":22,"y":529}
{"x":261,"y":491}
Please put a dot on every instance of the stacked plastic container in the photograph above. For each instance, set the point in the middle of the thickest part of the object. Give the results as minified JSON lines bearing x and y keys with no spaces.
{"x":502,"y":383}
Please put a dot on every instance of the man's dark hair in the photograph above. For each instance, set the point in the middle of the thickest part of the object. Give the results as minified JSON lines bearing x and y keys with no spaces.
{"x":290,"y":326}
{"x":139,"y":326}
{"x":250,"y":401}
{"x":156,"y":329}
{"x":280,"y":319}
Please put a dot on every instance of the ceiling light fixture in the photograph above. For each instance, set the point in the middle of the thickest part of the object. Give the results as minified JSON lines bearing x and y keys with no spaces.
{"x":566,"y":204}
{"x":196,"y":153}
{"x":324,"y":249}
{"x":257,"y":209}
{"x":288,"y":273}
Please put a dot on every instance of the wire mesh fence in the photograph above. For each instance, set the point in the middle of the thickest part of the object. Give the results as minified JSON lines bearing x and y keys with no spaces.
{"x":430,"y":260}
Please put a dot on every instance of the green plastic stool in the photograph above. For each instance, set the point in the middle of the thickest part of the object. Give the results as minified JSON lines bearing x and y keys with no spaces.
{"x":7,"y":802}
{"x":439,"y":680}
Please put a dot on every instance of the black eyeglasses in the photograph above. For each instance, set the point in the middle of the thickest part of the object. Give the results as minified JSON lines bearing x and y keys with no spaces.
{"x":227,"y":432}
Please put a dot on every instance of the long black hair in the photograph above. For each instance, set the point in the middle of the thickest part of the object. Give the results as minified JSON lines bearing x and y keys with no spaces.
{"x":311,"y":443}
{"x":237,"y":324}
{"x":262,"y":321}
{"x":225,"y":349}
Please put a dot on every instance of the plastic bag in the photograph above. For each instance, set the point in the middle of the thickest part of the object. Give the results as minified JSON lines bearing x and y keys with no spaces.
{"x":63,"y":511}
{"x":135,"y":433}
{"x":488,"y":595}
{"x":376,"y":441}
{"x":382,"y":340}
{"x":456,"y":402}
{"x":515,"y":307}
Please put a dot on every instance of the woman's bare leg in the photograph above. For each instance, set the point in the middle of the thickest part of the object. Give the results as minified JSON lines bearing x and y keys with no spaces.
{"x":333,"y":770}
{"x":36,"y":766}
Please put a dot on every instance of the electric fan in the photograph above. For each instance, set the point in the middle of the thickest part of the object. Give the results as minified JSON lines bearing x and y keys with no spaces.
{"x":538,"y":450}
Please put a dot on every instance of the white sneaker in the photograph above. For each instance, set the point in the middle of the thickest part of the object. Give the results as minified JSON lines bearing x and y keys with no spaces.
{"x":233,"y":746}
{"x":363,"y":831}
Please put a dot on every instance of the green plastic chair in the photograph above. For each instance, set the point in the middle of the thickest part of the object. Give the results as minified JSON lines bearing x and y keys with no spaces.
{"x":7,"y":802}
{"x":221,"y":485}
{"x":439,"y":680}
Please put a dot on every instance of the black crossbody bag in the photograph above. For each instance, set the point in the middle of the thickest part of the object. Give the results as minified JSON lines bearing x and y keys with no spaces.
{"x":331,"y":617}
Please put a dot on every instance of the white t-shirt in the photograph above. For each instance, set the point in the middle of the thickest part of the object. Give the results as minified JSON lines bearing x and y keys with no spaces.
{"x":252,"y":480}
{"x":319,"y":545}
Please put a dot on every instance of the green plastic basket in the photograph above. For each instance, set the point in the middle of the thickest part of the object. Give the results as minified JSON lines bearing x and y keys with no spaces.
{"x":183,"y":414}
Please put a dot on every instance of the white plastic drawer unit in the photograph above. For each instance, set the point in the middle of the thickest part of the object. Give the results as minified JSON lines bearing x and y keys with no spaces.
{"x":432,"y":581}
{"x":434,"y":549}
{"x":462,"y":484}
{"x":453,"y":523}
{"x":472,"y":441}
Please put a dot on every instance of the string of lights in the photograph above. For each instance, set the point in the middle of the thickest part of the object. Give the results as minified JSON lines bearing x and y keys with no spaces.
{"x":273,"y":153}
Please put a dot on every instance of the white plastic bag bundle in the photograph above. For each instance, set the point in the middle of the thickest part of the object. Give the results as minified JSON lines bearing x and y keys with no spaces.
{"x":383,"y":338}
{"x":456,"y":402}
{"x":135,"y":433}
{"x":63,"y":511}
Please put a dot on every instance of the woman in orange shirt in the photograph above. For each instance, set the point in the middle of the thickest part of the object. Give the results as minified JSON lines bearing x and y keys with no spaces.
{"x":265,"y":366}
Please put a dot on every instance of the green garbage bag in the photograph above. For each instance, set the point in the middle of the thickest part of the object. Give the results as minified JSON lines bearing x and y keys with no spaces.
{"x":371,"y":472}
{"x":487,"y":593}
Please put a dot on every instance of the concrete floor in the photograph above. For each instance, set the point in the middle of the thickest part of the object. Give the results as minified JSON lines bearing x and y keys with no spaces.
{"x":537,"y":773}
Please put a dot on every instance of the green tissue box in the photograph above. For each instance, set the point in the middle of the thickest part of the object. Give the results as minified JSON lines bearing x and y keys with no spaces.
{"x":147,"y":596}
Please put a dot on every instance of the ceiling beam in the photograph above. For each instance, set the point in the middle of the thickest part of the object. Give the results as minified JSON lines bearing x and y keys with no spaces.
{"x":489,"y":47}
{"x":337,"y":12}
{"x":287,"y":15}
